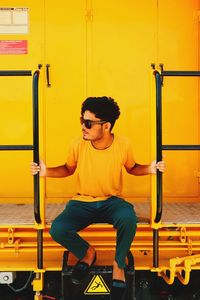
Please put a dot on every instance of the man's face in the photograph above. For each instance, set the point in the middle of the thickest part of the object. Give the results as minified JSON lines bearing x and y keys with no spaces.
{"x":96,"y":132}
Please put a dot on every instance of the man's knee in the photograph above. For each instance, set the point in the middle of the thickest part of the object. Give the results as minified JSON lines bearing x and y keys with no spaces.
{"x":58,"y":231}
{"x":128,"y":221}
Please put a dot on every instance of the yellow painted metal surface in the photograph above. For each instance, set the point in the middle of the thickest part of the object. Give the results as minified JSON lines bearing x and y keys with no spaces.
{"x":96,"y":48}
{"x":103,"y":48}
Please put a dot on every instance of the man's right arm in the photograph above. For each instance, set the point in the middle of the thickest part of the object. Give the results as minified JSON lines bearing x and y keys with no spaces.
{"x":56,"y":172}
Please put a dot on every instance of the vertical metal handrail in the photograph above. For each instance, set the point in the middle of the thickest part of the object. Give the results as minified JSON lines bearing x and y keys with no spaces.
{"x":36,"y":146}
{"x":36,"y":177}
{"x":159,"y":204}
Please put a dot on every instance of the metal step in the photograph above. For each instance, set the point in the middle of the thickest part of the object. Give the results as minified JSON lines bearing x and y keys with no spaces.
{"x":97,"y":284}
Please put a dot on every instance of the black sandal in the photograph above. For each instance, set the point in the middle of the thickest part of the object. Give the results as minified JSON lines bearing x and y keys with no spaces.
{"x":118,"y":290}
{"x":81,"y":270}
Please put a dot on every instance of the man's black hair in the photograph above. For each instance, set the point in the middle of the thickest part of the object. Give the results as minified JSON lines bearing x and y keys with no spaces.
{"x":104,"y":108}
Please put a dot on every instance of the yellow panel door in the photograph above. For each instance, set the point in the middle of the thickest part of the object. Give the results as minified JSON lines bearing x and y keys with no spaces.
{"x":21,"y":48}
{"x":121,"y":43}
{"x":178,"y":50}
{"x":65,"y":56}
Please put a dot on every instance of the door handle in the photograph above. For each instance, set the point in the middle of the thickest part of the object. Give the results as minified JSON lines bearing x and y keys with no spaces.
{"x":47,"y":75}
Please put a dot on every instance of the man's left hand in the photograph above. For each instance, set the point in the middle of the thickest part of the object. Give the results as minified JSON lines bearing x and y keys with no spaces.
{"x":154,"y":166}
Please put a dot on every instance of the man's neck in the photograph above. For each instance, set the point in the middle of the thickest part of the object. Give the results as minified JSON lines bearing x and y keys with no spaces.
{"x":103,"y":143}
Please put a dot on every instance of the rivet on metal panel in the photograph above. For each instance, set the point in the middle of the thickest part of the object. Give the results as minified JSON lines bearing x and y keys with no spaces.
{"x":189,"y":242}
{"x":10,"y":236}
{"x":17,"y":243}
{"x":183,"y":235}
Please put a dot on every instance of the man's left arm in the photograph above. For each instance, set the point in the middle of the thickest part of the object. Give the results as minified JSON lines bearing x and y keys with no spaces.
{"x":139,"y":170}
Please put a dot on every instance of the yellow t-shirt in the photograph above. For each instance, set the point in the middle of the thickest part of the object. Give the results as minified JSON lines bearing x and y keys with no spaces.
{"x":99,"y":172}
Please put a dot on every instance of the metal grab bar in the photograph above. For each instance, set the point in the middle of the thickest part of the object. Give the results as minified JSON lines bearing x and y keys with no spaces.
{"x":159,"y":144}
{"x":36,"y":146}
{"x":16,"y":73}
{"x":16,"y":147}
{"x":181,"y":147}
{"x":36,"y":177}
{"x":158,"y":215}
{"x":180,"y":73}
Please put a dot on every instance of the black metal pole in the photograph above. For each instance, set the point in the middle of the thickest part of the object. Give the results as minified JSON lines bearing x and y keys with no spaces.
{"x":40,"y":248}
{"x":159,"y":174}
{"x":36,"y":177}
{"x":159,"y":144}
{"x":155,"y":248}
{"x":36,"y":146}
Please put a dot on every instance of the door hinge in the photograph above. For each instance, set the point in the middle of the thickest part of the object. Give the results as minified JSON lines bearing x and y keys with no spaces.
{"x":197,"y":174}
{"x":198,"y":15}
{"x":89,"y":15}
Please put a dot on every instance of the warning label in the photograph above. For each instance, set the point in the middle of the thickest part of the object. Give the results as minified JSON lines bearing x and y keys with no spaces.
{"x":97,"y":286}
{"x":13,"y":47}
{"x":14,"y":20}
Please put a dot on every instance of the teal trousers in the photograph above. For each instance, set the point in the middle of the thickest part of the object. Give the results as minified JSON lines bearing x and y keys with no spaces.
{"x":79,"y":214}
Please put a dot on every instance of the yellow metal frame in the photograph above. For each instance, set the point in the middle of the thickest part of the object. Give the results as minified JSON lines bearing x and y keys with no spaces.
{"x":19,"y":242}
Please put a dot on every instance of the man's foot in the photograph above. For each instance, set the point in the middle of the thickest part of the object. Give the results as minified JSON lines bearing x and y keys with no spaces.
{"x":118,"y":288}
{"x":82,"y":267}
{"x":118,"y":273}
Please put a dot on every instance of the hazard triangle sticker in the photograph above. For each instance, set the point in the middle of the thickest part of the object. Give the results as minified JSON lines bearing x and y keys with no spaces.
{"x":97,"y":286}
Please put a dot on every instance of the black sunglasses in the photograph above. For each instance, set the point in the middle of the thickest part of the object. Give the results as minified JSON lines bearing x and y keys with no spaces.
{"x":88,"y":123}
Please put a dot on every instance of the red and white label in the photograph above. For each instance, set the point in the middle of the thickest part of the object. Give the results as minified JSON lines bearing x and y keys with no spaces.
{"x":14,"y":47}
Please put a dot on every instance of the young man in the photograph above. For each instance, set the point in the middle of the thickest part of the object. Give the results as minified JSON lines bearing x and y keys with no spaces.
{"x":98,"y":158}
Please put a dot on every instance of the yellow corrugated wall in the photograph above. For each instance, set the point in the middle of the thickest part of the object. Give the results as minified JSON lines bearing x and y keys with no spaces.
{"x":99,"y":48}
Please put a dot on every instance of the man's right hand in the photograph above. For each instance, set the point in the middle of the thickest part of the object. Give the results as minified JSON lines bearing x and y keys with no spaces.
{"x":35,"y":168}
